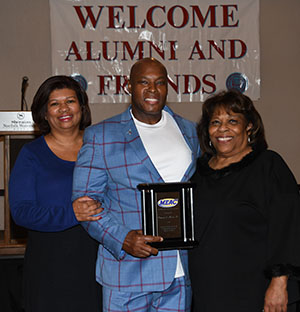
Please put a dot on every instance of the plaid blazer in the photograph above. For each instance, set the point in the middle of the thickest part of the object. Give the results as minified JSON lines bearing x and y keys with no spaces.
{"x":110,"y":164}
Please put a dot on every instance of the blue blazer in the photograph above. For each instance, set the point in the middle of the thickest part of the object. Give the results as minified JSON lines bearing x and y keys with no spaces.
{"x":110,"y":165}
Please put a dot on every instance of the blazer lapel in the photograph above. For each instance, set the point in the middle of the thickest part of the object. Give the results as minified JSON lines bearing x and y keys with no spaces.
{"x":190,"y":170}
{"x":135,"y":143}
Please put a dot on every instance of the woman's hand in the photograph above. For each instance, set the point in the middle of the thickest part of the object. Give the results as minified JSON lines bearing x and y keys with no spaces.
{"x":276,"y":297}
{"x":85,"y":209}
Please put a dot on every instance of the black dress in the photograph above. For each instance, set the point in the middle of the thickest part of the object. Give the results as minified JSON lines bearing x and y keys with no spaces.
{"x":248,"y":226}
{"x":59,"y":272}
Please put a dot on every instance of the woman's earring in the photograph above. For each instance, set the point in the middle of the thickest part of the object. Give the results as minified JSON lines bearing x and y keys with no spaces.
{"x":249,"y":140}
{"x":210,"y":144}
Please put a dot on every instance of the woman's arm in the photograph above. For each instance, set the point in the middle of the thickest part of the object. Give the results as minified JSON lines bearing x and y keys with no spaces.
{"x":86,"y":209}
{"x":28,"y":208}
{"x":276,"y":297}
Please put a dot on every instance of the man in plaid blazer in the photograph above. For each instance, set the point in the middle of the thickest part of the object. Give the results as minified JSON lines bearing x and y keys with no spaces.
{"x":148,"y":143}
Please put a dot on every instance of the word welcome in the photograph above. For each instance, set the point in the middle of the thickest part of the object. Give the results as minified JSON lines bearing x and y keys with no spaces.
{"x":177,"y":16}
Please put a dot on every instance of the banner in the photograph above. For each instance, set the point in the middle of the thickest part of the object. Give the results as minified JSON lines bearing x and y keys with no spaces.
{"x":206,"y":45}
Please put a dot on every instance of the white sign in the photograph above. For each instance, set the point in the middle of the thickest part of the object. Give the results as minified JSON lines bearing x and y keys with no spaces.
{"x":206,"y":46}
{"x":17,"y":121}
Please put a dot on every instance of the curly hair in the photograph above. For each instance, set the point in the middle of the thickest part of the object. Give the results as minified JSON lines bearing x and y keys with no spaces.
{"x":235,"y":101}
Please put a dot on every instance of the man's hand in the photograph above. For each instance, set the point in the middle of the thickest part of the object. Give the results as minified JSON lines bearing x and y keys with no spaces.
{"x":136,"y":244}
{"x":85,"y":208}
{"x":276,"y":297}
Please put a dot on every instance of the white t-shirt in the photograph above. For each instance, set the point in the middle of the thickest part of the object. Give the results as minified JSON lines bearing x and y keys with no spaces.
{"x":168,"y":151}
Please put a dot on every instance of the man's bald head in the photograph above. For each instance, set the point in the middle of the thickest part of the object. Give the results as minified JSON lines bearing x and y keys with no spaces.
{"x":150,"y":61}
{"x":148,"y":86}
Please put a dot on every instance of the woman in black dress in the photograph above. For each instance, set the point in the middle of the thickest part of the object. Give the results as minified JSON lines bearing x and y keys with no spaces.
{"x":247,"y":209}
{"x":60,"y":258}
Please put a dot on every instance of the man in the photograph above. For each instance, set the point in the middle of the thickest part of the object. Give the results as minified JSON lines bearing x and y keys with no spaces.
{"x":147,"y":143}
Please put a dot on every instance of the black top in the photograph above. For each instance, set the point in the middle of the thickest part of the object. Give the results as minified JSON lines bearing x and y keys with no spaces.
{"x":247,"y":222}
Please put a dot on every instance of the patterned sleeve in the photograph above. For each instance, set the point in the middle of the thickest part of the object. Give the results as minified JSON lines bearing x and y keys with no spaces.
{"x":90,"y":179}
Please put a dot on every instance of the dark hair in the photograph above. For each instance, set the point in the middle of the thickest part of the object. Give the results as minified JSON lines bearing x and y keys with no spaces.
{"x":234,"y":101}
{"x":40,"y":101}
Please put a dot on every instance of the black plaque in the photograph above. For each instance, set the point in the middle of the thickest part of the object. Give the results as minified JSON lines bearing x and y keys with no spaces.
{"x":167,"y":211}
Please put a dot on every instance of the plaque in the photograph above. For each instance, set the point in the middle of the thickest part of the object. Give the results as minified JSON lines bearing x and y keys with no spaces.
{"x":167,"y":211}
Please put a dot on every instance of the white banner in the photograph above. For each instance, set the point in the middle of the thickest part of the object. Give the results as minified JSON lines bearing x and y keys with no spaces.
{"x":206,"y":45}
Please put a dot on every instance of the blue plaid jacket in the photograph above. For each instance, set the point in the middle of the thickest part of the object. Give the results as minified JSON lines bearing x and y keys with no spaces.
{"x":110,"y":165}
